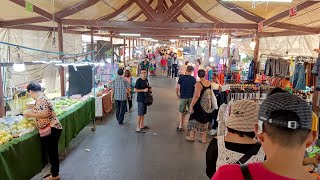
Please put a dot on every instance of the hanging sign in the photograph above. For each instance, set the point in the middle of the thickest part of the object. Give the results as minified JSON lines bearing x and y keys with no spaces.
{"x":260,"y":26}
{"x":29,"y":7}
{"x":293,"y":11}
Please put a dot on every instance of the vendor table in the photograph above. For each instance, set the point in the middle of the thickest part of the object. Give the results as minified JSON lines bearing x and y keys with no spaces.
{"x":22,"y":158}
{"x":103,"y":105}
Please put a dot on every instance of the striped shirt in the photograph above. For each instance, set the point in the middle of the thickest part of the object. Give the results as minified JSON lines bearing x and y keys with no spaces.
{"x":119,"y":87}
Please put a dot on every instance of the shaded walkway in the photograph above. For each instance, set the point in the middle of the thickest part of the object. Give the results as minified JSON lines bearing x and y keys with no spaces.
{"x":119,"y":153}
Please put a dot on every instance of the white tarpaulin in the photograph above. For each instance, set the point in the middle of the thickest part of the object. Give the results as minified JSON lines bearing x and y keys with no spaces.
{"x":284,"y":45}
{"x":42,"y":40}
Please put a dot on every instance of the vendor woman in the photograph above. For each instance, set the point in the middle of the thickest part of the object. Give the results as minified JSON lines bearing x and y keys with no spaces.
{"x":48,"y":125}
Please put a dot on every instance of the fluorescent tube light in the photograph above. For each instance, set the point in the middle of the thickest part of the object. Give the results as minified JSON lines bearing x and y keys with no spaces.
{"x":258,"y":0}
{"x":186,"y":36}
{"x":126,"y":34}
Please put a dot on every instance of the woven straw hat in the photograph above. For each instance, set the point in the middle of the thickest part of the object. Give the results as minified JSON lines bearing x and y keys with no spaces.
{"x":243,"y":115}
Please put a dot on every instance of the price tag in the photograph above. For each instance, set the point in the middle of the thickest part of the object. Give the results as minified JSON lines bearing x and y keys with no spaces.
{"x":29,"y":7}
{"x":293,"y":11}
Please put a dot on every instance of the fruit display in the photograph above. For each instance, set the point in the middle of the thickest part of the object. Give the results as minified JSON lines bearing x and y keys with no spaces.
{"x":15,"y":126}
{"x":63,"y":105}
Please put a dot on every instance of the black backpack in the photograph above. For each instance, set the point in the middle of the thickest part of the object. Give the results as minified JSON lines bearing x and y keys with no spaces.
{"x":148,"y":97}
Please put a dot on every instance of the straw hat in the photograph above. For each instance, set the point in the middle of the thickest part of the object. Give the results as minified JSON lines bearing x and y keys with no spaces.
{"x":243,"y":115}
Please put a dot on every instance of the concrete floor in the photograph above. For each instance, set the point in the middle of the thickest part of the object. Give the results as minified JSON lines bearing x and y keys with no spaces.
{"x":119,"y":153}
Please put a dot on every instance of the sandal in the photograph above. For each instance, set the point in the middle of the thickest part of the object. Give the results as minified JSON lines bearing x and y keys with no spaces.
{"x":188,"y":138}
{"x":179,"y":129}
{"x":52,"y":178}
{"x":46,"y":175}
{"x":204,"y":142}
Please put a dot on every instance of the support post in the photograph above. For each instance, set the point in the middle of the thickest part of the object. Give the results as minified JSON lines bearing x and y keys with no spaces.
{"x":210,"y":43}
{"x":315,"y":97}
{"x":228,"y":52}
{"x":112,"y":49}
{"x":124,"y":52}
{"x":256,"y":55}
{"x":198,"y":42}
{"x":129,"y":49}
{"x":92,"y":44}
{"x":61,"y":68}
{"x":2,"y":99}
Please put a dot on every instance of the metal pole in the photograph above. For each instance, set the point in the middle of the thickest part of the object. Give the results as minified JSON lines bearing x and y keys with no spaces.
{"x":94,"y":90}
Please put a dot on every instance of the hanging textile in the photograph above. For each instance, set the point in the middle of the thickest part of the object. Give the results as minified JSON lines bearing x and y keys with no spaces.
{"x":251,"y":71}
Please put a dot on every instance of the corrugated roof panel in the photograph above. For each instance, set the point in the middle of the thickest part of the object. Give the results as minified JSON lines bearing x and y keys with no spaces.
{"x":226,"y":15}
{"x":12,"y":11}
{"x":47,"y":5}
{"x":128,"y":13}
{"x":94,"y":12}
{"x":182,"y":19}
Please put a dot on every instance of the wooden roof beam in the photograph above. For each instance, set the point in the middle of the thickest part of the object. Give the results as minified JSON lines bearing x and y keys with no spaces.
{"x":240,"y":11}
{"x":31,"y":27}
{"x":285,"y":13}
{"x":117,"y":12}
{"x":182,"y":13}
{"x":139,"y":13}
{"x":19,"y":22}
{"x":37,"y":10}
{"x":147,"y":10}
{"x":282,"y":33}
{"x":295,"y":27}
{"x":170,"y":25}
{"x":174,"y":10}
{"x":144,"y":30}
{"x":161,"y":6}
{"x":75,"y":8}
{"x":203,"y":13}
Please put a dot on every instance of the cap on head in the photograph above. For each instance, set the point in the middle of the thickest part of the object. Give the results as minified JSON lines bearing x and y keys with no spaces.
{"x":243,"y":116}
{"x":286,"y":110}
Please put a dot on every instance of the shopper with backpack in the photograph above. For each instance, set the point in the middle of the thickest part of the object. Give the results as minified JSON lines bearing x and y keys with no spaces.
{"x":201,"y":108}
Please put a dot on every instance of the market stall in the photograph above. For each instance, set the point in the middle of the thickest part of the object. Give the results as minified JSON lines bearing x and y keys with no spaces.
{"x":103,"y":105}
{"x":24,"y":154}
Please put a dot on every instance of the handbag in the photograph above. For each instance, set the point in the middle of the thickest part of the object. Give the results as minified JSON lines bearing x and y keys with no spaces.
{"x":148,"y":97}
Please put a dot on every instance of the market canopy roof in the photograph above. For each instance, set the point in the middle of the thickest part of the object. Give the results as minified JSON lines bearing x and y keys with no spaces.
{"x":163,"y":19}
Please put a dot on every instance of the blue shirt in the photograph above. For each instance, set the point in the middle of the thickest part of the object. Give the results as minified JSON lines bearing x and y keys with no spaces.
{"x":187,"y":83}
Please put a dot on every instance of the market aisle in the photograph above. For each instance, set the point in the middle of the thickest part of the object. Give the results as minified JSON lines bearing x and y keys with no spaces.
{"x":119,"y":153}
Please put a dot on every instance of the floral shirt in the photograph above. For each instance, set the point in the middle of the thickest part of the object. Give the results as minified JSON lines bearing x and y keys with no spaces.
{"x":43,"y":104}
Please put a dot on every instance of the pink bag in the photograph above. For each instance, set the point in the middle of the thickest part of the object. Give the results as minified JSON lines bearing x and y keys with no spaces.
{"x":46,"y":131}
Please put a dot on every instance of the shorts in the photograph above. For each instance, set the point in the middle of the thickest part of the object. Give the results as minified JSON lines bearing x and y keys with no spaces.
{"x":142,"y":109}
{"x":163,"y":68}
{"x":184,"y":105}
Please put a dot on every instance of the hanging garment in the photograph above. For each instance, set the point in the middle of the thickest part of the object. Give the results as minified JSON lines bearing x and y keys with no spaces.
{"x":251,"y":71}
{"x":299,"y":78}
{"x":316,"y":71}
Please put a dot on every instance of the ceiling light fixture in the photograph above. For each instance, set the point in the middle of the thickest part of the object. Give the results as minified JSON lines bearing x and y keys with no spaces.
{"x":126,"y":34}
{"x":258,"y":0}
{"x":187,"y":36}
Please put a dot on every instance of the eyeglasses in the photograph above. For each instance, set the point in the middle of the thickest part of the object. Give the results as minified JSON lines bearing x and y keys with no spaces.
{"x":143,"y":73}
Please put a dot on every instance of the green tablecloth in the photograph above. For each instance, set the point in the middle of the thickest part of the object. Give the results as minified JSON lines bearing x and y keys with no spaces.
{"x":22,"y":158}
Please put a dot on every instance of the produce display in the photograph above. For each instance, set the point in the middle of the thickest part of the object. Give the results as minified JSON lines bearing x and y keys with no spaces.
{"x":63,"y":105}
{"x":13,"y":127}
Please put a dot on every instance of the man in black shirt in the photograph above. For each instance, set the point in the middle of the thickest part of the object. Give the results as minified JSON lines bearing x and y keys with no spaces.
{"x":185,"y":91}
{"x":142,"y":86}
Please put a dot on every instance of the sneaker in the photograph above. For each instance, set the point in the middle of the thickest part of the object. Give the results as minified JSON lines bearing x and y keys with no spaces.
{"x":140,"y":131}
{"x":145,"y":127}
{"x":213,"y":132}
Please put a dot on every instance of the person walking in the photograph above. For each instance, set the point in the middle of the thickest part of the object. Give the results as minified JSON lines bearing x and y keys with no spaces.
{"x":119,"y":94}
{"x":201,"y":108}
{"x":169,"y":64}
{"x":163,"y":64}
{"x":284,"y":130}
{"x":175,"y":64}
{"x":145,"y":64}
{"x":129,"y":79}
{"x":239,"y":145}
{"x":142,"y":86}
{"x":185,"y":91}
{"x":49,"y":127}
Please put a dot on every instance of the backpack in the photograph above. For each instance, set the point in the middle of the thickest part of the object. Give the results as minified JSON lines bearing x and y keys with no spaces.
{"x":208,"y":101}
{"x":148,"y":97}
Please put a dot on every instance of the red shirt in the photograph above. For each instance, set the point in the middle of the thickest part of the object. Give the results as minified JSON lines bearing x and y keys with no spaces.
{"x":163,"y":62}
{"x":257,"y":171}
